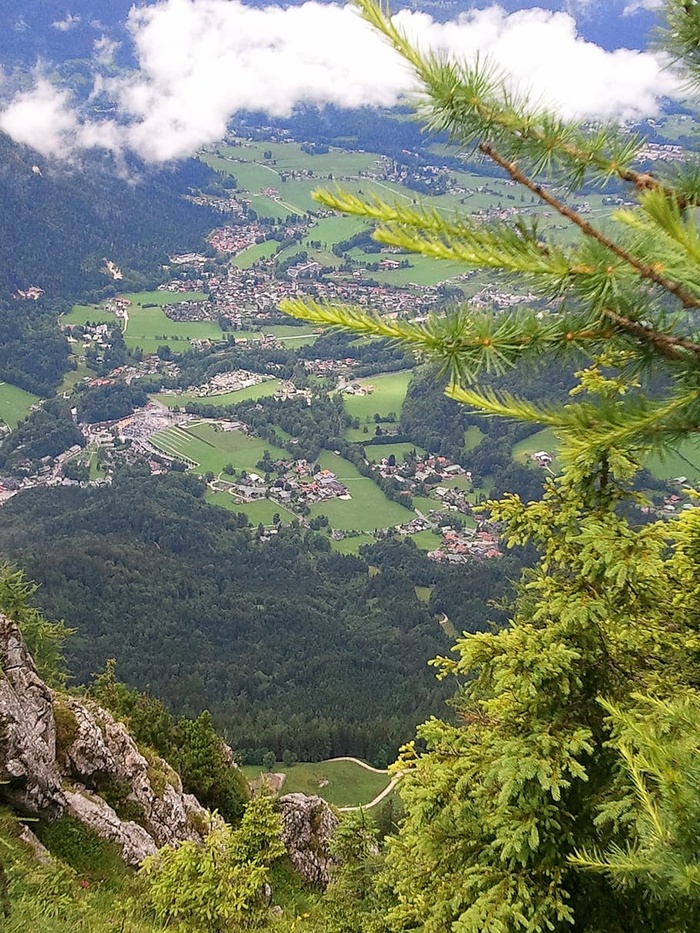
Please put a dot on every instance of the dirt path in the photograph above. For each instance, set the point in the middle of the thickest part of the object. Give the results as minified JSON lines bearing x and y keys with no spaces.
{"x":378,"y":799}
{"x":380,"y":796}
{"x":362,"y":764}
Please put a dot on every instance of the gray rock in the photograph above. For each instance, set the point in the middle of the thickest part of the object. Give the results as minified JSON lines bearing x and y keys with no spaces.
{"x":307,"y":826}
{"x":58,"y":753}
{"x":27,"y":729}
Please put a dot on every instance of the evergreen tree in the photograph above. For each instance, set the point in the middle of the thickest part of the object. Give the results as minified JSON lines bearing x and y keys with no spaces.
{"x":565,"y":796}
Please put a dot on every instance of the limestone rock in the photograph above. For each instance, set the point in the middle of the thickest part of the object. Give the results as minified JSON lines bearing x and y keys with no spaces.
{"x":61,"y":756}
{"x":307,"y":826}
{"x":27,"y":729}
{"x":98,"y":816}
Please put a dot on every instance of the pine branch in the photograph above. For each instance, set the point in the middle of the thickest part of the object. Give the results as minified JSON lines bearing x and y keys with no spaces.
{"x":645,"y":270}
{"x":474,"y":103}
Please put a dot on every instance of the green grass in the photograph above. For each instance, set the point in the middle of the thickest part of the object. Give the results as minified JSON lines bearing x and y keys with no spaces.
{"x":423,"y":593}
{"x":257,"y":512}
{"x":248,"y":257}
{"x":351,"y":545}
{"x":260,"y":390}
{"x":684,"y":460}
{"x":472,"y":437}
{"x":426,"y":540}
{"x":388,"y":395}
{"x":15,"y":403}
{"x":212,"y":449}
{"x":542,"y":440}
{"x":368,"y":510}
{"x":88,"y":314}
{"x":349,"y":785}
{"x":74,"y":376}
{"x":149,"y":328}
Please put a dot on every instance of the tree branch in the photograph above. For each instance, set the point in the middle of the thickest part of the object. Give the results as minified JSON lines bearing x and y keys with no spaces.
{"x":645,"y":270}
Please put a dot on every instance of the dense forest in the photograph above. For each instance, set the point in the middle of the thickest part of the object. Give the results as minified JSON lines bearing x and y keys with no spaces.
{"x":292,"y":647}
{"x":59,"y":222}
{"x":34,"y":354}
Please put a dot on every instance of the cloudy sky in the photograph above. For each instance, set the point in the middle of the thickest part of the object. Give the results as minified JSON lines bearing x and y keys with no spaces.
{"x":201,"y":61}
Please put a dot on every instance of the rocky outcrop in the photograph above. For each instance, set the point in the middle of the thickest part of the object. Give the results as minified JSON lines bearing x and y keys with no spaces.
{"x":27,"y":729}
{"x":307,"y":826}
{"x":63,"y":756}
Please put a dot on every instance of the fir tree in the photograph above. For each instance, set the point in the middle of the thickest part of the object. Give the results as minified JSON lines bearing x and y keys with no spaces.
{"x":566,"y":794}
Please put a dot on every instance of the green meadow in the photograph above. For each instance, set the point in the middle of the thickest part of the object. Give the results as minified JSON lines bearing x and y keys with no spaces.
{"x":388,"y":394}
{"x":15,"y":404}
{"x":211,"y":449}
{"x":350,"y":545}
{"x":341,"y":783}
{"x":262,"y":389}
{"x":260,"y":512}
{"x":367,"y":510}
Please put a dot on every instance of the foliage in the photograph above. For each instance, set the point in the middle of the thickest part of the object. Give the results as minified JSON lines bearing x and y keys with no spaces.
{"x":289,"y":646}
{"x":212,"y":886}
{"x":509,"y":808}
{"x":192,"y":746}
{"x":45,"y":640}
{"x":46,"y":432}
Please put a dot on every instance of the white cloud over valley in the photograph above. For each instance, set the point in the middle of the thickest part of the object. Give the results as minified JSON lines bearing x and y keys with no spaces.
{"x":201,"y":61}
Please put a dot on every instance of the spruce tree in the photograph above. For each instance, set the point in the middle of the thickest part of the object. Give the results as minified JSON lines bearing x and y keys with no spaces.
{"x":565,"y":795}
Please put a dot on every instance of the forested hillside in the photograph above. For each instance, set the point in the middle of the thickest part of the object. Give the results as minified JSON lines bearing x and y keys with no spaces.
{"x":59,"y":222}
{"x":290,"y":646}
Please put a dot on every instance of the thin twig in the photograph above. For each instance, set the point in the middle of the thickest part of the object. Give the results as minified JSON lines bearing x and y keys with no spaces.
{"x":645,"y":270}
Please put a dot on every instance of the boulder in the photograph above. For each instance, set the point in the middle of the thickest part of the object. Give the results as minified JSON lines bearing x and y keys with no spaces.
{"x":307,"y":826}
{"x":60,"y":755}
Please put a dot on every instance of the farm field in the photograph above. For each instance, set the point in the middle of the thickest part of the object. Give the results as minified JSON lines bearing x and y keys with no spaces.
{"x":211,"y":449}
{"x":149,"y":328}
{"x":349,"y":784}
{"x":388,"y":395}
{"x":88,"y":314}
{"x":261,"y":512}
{"x":351,"y":545}
{"x":426,"y":541}
{"x":542,"y":440}
{"x":423,"y":270}
{"x":248,"y":257}
{"x":15,"y":403}
{"x":368,"y":510}
{"x":262,"y":389}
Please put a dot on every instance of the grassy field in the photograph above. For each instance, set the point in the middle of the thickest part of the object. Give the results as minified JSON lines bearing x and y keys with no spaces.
{"x":248,"y":257}
{"x":388,"y":395}
{"x":426,"y":540}
{"x":212,"y":449}
{"x":543,"y":440}
{"x":260,"y":390}
{"x":149,"y":328}
{"x":349,"y":784}
{"x":683,"y":461}
{"x":14,"y":404}
{"x":351,"y":545}
{"x":261,"y":512}
{"x":368,"y":510}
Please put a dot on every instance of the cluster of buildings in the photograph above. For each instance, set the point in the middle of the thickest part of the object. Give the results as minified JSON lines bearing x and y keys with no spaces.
{"x":460,"y":547}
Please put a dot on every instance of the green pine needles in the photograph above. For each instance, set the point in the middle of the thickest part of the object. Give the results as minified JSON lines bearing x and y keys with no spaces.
{"x":565,"y":793}
{"x":628,"y":289}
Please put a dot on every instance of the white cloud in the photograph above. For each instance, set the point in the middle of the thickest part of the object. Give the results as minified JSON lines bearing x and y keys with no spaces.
{"x":45,"y":119}
{"x":68,"y":22}
{"x":636,"y":5}
{"x":104,"y":50}
{"x":201,"y":61}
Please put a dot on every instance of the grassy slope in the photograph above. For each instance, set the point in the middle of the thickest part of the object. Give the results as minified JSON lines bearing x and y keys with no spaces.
{"x":349,"y":784}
